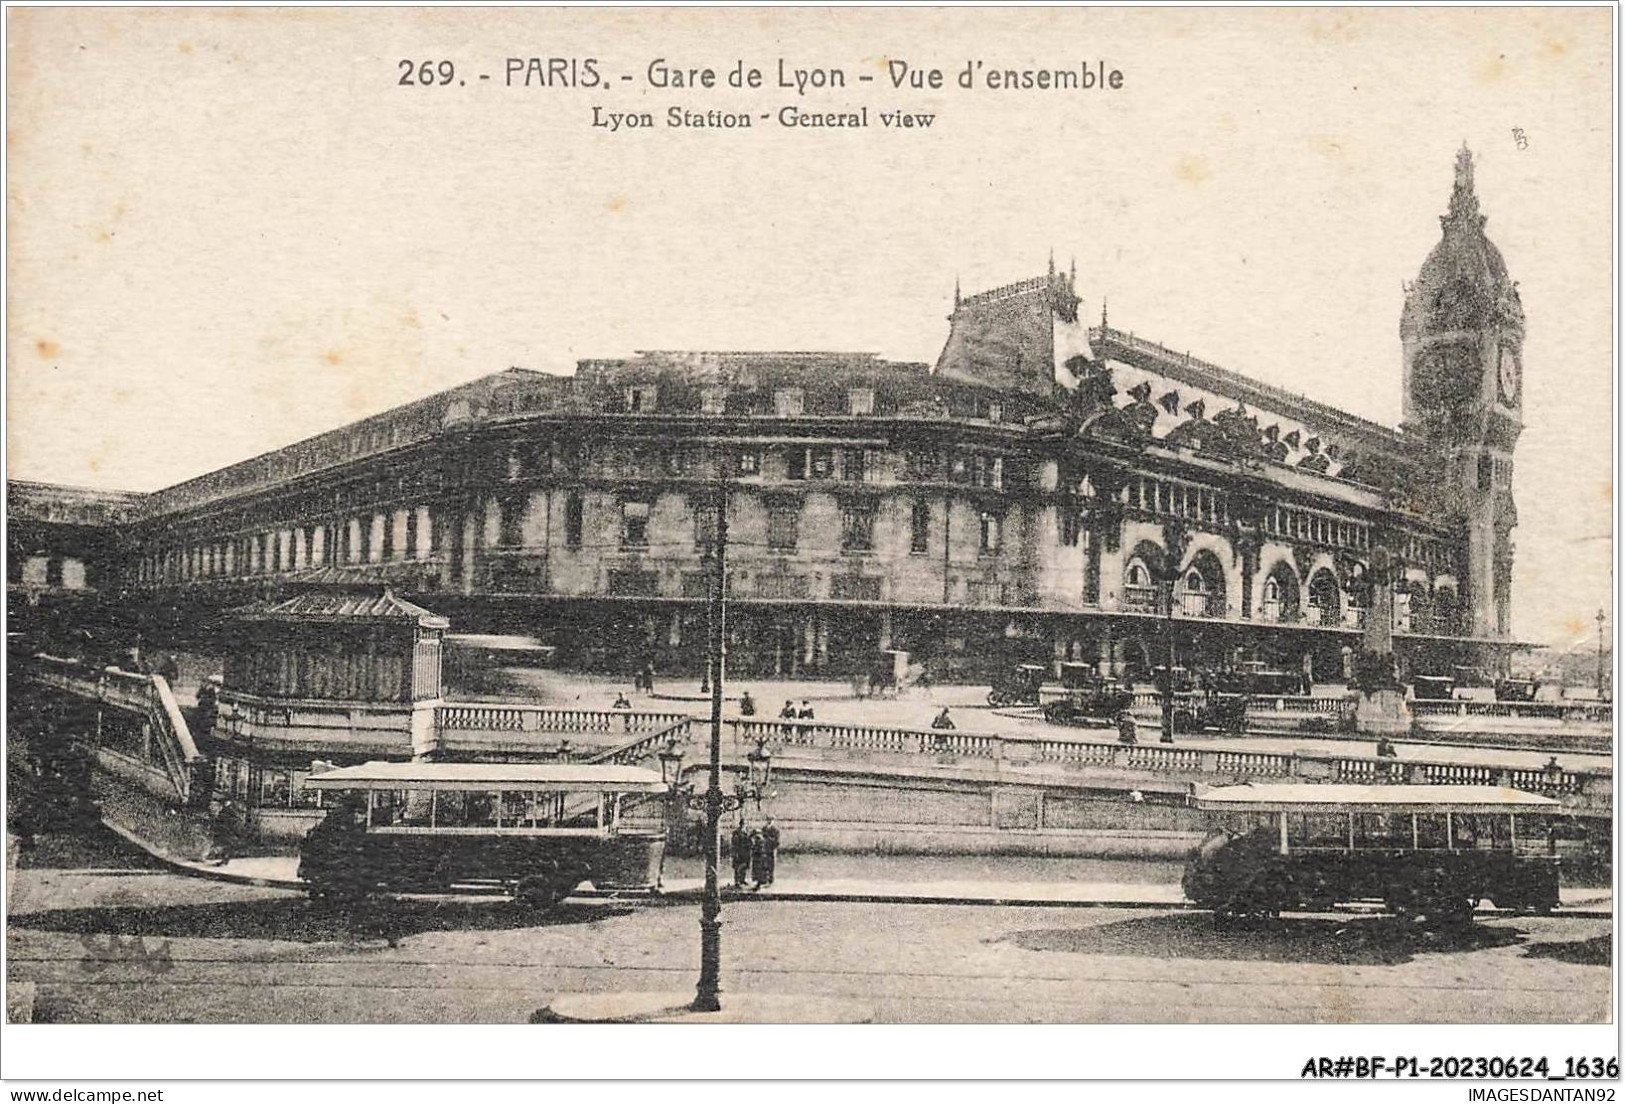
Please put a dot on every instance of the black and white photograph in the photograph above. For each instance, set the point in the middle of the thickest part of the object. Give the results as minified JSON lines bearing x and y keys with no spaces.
{"x":814,"y":516}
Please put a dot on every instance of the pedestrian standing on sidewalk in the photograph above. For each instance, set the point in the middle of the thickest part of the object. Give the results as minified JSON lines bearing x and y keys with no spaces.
{"x":739,"y":847}
{"x":758,"y":858}
{"x":770,"y":852}
{"x":747,"y":705}
{"x":806,"y":712}
{"x":1127,"y":731}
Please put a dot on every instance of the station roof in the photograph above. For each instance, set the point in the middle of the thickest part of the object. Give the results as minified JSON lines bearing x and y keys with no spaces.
{"x":1309,"y":797}
{"x":489,"y":776}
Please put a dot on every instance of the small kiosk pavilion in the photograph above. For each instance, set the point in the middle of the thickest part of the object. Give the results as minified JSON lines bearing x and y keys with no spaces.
{"x":334,"y":672}
{"x":341,"y":672}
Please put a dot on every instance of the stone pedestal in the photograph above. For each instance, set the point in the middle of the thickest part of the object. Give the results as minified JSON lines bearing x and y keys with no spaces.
{"x":1382,"y":713}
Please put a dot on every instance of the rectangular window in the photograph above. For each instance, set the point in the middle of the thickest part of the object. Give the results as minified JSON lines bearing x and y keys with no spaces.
{"x":787,"y":402}
{"x":991,"y":525}
{"x":821,"y":463}
{"x":920,"y":528}
{"x":857,"y":526}
{"x":641,"y":399}
{"x":705,"y":526}
{"x":1067,"y":523}
{"x":748,"y":462}
{"x":860,"y":400}
{"x":995,"y":411}
{"x":634,"y":525}
{"x":511,"y":533}
{"x":852,"y":465}
{"x":795,"y":463}
{"x":714,"y":400}
{"x":572,"y":520}
{"x":921,"y":464}
{"x":783,"y":518}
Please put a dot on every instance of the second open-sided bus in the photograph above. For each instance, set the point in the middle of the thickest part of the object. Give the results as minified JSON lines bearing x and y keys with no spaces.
{"x":541,"y":829}
{"x":1428,"y":853}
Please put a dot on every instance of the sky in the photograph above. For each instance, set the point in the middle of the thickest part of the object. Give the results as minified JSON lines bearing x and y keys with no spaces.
{"x":228,"y":231}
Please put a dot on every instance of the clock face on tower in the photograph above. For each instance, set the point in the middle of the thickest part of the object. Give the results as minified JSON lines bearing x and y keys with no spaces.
{"x":1507,"y":376}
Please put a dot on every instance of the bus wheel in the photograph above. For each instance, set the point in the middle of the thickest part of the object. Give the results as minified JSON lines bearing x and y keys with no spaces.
{"x":1453,"y":913}
{"x":538,"y":892}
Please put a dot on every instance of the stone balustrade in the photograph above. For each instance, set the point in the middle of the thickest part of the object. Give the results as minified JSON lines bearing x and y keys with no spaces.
{"x":147,"y":697}
{"x":1585,"y":791}
{"x":518,"y":717}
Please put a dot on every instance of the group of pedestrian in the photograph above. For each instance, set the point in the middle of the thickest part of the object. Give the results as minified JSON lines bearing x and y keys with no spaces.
{"x":791,"y":713}
{"x":755,"y":852}
{"x":643,"y":678}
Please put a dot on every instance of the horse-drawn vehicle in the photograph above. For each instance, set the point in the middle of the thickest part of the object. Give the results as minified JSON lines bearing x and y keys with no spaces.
{"x":1429,"y":853}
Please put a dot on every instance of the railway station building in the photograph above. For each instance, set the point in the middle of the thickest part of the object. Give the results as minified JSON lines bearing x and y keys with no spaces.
{"x":1035,"y":494}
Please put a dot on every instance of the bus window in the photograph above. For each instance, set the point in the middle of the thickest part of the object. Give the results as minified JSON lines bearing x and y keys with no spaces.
{"x":1482,"y":832}
{"x":515,"y":809}
{"x":1431,"y":832}
{"x":1382,"y":830}
{"x":450,"y":809}
{"x":417,"y":810}
{"x":1318,"y":830}
{"x":385,"y":809}
{"x":480,"y":811}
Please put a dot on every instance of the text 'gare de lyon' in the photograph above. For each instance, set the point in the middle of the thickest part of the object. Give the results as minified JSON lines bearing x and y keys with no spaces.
{"x":1085,"y":76}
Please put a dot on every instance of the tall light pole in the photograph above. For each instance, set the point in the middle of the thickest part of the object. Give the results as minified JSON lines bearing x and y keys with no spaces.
{"x":706,"y":995}
{"x":1168,"y":584}
{"x":1602,"y":666}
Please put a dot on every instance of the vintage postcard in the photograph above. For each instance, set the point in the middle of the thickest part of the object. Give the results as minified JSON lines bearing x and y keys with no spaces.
{"x":815,"y":516}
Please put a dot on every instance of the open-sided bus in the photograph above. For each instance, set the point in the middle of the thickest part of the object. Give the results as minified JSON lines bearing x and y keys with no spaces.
{"x":541,"y":829}
{"x":1429,"y":853}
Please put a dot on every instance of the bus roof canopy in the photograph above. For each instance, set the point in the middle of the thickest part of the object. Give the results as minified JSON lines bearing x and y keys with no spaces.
{"x":1311,"y":798}
{"x":489,"y":776}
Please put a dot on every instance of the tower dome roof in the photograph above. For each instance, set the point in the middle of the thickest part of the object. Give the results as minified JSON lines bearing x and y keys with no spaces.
{"x":1463,"y":284}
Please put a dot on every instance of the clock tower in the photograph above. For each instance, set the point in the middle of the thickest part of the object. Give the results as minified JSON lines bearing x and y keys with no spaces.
{"x":1462,"y":339}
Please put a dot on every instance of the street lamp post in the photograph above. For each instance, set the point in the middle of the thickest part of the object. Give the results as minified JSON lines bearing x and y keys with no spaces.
{"x":706,"y":994}
{"x":1168,"y":679}
{"x":1602,"y":667}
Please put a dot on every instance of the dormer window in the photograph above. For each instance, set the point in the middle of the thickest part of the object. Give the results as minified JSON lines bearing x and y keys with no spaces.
{"x":860,"y":401}
{"x":641,"y":399}
{"x":714,"y":400}
{"x":787,"y":402}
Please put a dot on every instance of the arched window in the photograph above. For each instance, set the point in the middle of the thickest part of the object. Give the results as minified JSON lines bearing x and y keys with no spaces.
{"x":1280,"y":595}
{"x":1325,"y":599}
{"x":1194,"y":583}
{"x":1137,"y":575}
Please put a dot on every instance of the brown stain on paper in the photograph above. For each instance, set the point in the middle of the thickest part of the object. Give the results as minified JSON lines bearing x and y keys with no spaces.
{"x":1493,"y":69}
{"x":50,"y":350}
{"x":1193,"y":169}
